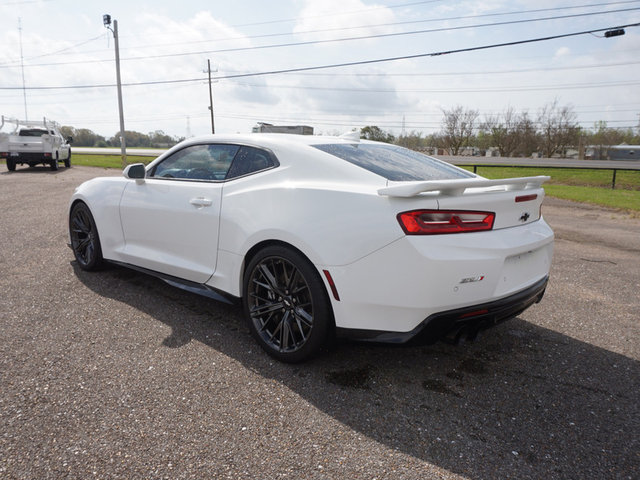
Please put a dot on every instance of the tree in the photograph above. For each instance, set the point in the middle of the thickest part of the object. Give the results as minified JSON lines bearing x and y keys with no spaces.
{"x":527,"y":136}
{"x":558,"y":128}
{"x":82,"y":137}
{"x":603,"y":137}
{"x":502,"y":131}
{"x":161,"y":139}
{"x":377,"y":134}
{"x":413,"y":140}
{"x":459,"y":124}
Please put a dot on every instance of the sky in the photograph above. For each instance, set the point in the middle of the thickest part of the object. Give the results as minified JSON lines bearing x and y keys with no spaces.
{"x":58,"y":61}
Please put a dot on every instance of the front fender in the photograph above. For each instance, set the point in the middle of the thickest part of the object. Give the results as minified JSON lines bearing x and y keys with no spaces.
{"x":102,"y":195}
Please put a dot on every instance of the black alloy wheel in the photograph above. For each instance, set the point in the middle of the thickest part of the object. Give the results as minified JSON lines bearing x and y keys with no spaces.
{"x":286,"y":304}
{"x":85,"y":241}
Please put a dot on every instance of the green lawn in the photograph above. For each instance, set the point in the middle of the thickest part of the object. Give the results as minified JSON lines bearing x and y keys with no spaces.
{"x":104,"y":161}
{"x":629,"y":180}
{"x":580,"y":185}
{"x":107,"y":161}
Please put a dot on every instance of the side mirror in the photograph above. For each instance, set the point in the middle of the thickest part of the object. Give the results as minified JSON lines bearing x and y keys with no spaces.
{"x":69,"y":139}
{"x":135,"y":171}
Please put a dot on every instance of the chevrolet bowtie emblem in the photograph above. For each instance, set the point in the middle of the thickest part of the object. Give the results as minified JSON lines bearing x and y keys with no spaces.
{"x":524,"y":217}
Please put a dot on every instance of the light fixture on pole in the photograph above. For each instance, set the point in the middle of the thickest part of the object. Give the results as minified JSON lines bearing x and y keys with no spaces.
{"x":106,"y":20}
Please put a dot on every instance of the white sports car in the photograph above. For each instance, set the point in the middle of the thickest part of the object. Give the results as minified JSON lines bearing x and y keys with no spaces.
{"x":323,"y":236}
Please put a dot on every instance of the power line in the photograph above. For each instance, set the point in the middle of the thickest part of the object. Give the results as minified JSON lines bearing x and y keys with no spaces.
{"x":364,"y":37}
{"x":523,"y":88}
{"x":340,"y":65}
{"x":471,"y":72}
{"x":355,"y":74}
{"x":383,"y":35}
{"x":272,"y":35}
{"x":444,"y":19}
{"x":359,"y":27}
{"x":423,"y":55}
{"x":335,"y":14}
{"x":84,"y":42}
{"x":22,"y":2}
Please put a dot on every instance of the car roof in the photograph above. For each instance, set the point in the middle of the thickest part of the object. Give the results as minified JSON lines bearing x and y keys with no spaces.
{"x":270,"y":139}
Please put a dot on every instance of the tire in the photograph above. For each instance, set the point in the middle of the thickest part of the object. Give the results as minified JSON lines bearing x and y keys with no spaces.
{"x":85,"y":241}
{"x":286,"y":304}
{"x":11,"y":164}
{"x":67,"y":162}
{"x":54,"y":164}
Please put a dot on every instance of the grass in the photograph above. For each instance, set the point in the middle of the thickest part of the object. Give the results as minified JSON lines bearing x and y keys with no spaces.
{"x":107,"y":161}
{"x":620,"y":199}
{"x":580,"y":185}
{"x":104,"y":161}
{"x":629,"y":180}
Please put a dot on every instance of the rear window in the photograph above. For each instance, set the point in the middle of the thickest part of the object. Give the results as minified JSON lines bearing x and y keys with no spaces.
{"x":394,"y":163}
{"x":33,"y":132}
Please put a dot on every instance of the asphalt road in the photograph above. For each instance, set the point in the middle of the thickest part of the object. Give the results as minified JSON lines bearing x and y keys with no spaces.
{"x":117,"y":375}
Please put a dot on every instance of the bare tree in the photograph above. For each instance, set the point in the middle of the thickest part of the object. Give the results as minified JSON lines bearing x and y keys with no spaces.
{"x":458,"y":128}
{"x":502,"y":131}
{"x":527,"y":135}
{"x":558,"y":128}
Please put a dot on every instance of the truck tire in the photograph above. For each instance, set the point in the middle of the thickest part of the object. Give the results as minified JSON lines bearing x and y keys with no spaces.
{"x":54,"y":164}
{"x":67,"y":162}
{"x":11,"y":164}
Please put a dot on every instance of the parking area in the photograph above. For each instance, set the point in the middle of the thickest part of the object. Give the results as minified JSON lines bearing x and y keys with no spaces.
{"x":115,"y":374}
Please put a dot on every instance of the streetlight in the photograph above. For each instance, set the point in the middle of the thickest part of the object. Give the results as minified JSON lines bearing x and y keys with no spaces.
{"x":106,"y":20}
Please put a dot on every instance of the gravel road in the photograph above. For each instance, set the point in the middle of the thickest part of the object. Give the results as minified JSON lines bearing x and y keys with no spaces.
{"x":117,"y":375}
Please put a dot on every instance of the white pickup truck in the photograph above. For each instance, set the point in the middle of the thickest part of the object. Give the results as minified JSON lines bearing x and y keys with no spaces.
{"x":33,"y":143}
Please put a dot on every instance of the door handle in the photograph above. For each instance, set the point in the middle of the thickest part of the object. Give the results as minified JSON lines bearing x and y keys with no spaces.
{"x":201,"y":202}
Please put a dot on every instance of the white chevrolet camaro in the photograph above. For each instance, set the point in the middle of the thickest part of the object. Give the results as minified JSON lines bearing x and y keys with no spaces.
{"x":323,"y":236}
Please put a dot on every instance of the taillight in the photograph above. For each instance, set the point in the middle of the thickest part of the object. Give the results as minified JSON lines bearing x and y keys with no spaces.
{"x":437,"y":222}
{"x":526,"y":198}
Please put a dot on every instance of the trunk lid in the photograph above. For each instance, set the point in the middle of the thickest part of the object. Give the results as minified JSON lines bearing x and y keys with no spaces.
{"x":515,"y":201}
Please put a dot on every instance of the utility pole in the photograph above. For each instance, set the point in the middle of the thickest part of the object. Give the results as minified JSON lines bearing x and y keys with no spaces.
{"x":24,"y":88}
{"x":106,"y":19}
{"x":213,"y":128}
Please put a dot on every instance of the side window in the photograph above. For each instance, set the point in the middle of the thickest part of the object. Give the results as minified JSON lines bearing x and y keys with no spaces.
{"x":197,"y":162}
{"x":250,"y":160}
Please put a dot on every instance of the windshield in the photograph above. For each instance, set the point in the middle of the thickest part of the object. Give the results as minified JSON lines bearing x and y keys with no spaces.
{"x":394,"y":163}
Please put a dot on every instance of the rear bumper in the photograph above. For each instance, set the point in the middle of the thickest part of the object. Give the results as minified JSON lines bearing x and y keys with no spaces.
{"x":31,"y":157}
{"x":454,"y":324}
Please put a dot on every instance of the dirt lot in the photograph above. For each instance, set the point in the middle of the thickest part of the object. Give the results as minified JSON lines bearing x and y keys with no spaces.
{"x":118,"y":375}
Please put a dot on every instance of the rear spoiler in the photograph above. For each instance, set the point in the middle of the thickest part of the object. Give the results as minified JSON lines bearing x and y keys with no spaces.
{"x":458,"y":186}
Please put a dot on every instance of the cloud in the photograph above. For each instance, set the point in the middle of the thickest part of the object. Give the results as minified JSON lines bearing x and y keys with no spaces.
{"x":342,"y":93}
{"x":324,"y":19}
{"x":562,"y":52}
